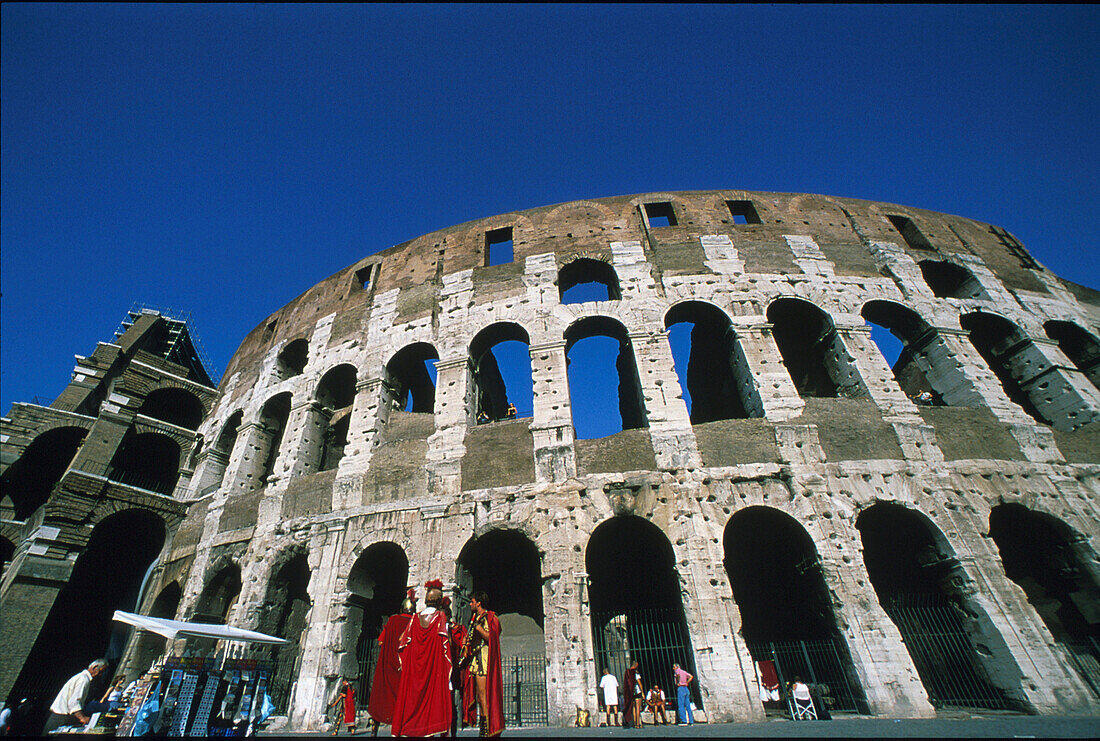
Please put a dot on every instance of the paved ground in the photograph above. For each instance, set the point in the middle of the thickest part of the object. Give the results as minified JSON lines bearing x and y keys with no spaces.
{"x":1006,"y":726}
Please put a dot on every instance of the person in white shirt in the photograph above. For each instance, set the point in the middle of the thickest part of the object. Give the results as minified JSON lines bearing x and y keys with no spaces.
{"x":610,"y":687}
{"x":68,"y":707}
{"x":800,"y":691}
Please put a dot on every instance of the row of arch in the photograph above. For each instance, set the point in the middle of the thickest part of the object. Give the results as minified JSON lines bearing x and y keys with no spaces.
{"x":776,"y":578}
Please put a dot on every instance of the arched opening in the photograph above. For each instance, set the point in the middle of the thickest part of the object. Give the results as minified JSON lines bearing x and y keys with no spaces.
{"x":150,"y":646}
{"x":217,"y":456}
{"x":603,"y":378}
{"x":500,"y":365}
{"x":812,"y":351}
{"x":147,"y":460}
{"x":283,"y":614}
{"x":376,"y":586}
{"x":901,"y":335}
{"x":218,"y":596}
{"x":1079,"y":346}
{"x":410,"y":376}
{"x":177,"y":407}
{"x":107,"y":576}
{"x":637,"y":617}
{"x":335,"y":396}
{"x":948,"y":280}
{"x":292,"y":360}
{"x":7,"y":553}
{"x":586,"y":279}
{"x":786,"y":613}
{"x":961,"y":660}
{"x":273,"y":419}
{"x":507,"y":566}
{"x":27,"y":483}
{"x":1050,"y":563}
{"x":1007,"y":351}
{"x":713,"y":372}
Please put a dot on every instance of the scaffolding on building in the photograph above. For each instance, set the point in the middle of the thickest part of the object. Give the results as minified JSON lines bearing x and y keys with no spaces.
{"x":180,"y":345}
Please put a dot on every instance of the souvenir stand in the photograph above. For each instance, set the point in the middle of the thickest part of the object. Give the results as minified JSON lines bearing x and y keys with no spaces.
{"x":206,"y":695}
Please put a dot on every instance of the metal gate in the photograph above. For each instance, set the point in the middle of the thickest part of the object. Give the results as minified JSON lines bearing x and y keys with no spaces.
{"x":366,"y":654}
{"x":818,"y":663}
{"x":942,"y":653}
{"x":1084,"y":655}
{"x":656,"y":638}
{"x":525,"y":690}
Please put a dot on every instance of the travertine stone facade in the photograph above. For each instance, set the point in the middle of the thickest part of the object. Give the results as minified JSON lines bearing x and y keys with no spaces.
{"x":824,"y":436}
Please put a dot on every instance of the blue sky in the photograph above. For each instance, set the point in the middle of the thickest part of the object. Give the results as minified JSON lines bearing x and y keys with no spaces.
{"x":223,"y":159}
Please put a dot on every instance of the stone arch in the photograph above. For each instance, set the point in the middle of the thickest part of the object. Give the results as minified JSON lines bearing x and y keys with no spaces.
{"x":500,"y":367}
{"x":715,"y":374}
{"x":960,"y":657}
{"x":292,"y":359}
{"x":603,"y":336}
{"x":176,"y":406}
{"x":274,"y":416}
{"x":335,"y":398}
{"x":950,"y":280}
{"x":376,"y":586}
{"x":219,"y":594}
{"x":917,"y":371}
{"x":410,"y":380}
{"x":149,"y":645}
{"x":787,"y":614}
{"x":636,"y":618}
{"x":586,"y":279}
{"x":812,"y":350}
{"x":148,"y":460}
{"x":28,"y":482}
{"x":507,"y":565}
{"x":107,"y":576}
{"x":284,"y":613}
{"x":1081,"y":347}
{"x":217,"y":455}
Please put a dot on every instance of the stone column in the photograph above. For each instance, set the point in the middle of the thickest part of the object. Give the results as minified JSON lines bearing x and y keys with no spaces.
{"x":246,"y":463}
{"x":571,"y":676}
{"x":778,"y":394}
{"x":552,"y":426}
{"x":951,"y":356}
{"x":1059,"y":391}
{"x":447,"y":446}
{"x":674,"y":445}
{"x":306,"y":429}
{"x":875,"y":374}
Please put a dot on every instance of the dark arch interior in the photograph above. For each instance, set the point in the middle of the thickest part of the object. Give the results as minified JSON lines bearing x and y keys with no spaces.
{"x":29,"y":481}
{"x":7,"y":553}
{"x":997,"y":340}
{"x":506,"y":565}
{"x":283,"y":614}
{"x":804,"y":336}
{"x":590,"y":372}
{"x":1047,"y":560}
{"x":776,"y":577}
{"x":336,"y":394}
{"x":147,"y":460}
{"x":273,"y":418}
{"x":715,"y":377}
{"x":1079,"y":346}
{"x":107,"y":576}
{"x":414,"y":385}
{"x":377,"y":584}
{"x":337,"y":387}
{"x":228,"y":436}
{"x":174,"y":406}
{"x":913,"y":333}
{"x":586,"y":279}
{"x":150,"y":645}
{"x":948,"y":280}
{"x":219,"y":596}
{"x":501,"y":366}
{"x":293,"y":358}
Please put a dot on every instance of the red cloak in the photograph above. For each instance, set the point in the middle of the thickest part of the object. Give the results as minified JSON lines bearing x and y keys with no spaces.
{"x":387,"y":671}
{"x":494,"y":678}
{"x":464,"y":682}
{"x":423,"y":705}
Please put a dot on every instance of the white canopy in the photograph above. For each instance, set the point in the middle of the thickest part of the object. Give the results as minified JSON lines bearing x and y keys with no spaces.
{"x":172,"y":629}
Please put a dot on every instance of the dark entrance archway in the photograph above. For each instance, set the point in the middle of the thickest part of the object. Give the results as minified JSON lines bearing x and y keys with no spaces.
{"x":285,"y":609}
{"x":1050,"y":562}
{"x":376,"y":586}
{"x":150,"y":645}
{"x":28,"y":482}
{"x":786,"y":614}
{"x":961,"y":659}
{"x":107,"y":576}
{"x":507,"y":566}
{"x":637,"y":612}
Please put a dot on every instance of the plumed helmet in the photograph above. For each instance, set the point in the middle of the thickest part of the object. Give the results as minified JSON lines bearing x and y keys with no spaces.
{"x":408,"y":606}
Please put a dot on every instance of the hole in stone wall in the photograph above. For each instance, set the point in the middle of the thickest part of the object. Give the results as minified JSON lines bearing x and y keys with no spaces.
{"x":909,"y":232}
{"x":412,"y":374}
{"x":709,"y":363}
{"x":809,"y":345}
{"x":898,"y":331}
{"x":506,"y":565}
{"x":175,"y":406}
{"x":1079,"y":346}
{"x":273,"y":419}
{"x":660,"y":215}
{"x":364,"y":276}
{"x":500,"y":363}
{"x":499,"y":246}
{"x":948,"y":280}
{"x":587,"y":280}
{"x":336,"y":395}
{"x":149,"y":645}
{"x":602,"y":372}
{"x":743,"y":212}
{"x":218,"y":596}
{"x":292,"y":360}
{"x":27,"y":484}
{"x":1004,"y":348}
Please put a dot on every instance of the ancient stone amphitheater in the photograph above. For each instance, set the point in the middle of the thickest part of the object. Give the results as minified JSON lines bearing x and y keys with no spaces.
{"x":910,"y":539}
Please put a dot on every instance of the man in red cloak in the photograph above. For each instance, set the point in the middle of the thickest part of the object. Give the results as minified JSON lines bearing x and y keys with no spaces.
{"x":387,"y":669}
{"x":461,"y":681}
{"x":483,"y":648}
{"x":423,"y":706}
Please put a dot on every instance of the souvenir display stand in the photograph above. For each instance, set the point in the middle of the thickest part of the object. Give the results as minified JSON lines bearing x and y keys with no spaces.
{"x":206,"y":695}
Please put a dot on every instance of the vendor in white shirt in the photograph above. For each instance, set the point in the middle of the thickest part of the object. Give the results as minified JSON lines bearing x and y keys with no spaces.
{"x":68,"y":708}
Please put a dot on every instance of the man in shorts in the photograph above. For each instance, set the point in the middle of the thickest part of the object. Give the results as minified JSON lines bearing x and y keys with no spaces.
{"x":610,"y":687}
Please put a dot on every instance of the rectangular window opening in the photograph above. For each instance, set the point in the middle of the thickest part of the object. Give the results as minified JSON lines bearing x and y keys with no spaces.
{"x":743,"y":212}
{"x":910,"y":233}
{"x":364,"y":276}
{"x":498,"y":246}
{"x":660,"y":214}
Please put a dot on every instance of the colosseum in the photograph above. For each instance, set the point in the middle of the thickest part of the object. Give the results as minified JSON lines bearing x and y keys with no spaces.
{"x":914,"y":535}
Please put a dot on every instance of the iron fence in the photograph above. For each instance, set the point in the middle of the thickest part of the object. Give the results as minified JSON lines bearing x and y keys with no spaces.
{"x":1084,"y":656}
{"x":818,"y":663}
{"x":942,"y":652}
{"x":525,"y":690}
{"x":366,"y":654}
{"x":657,"y":638}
